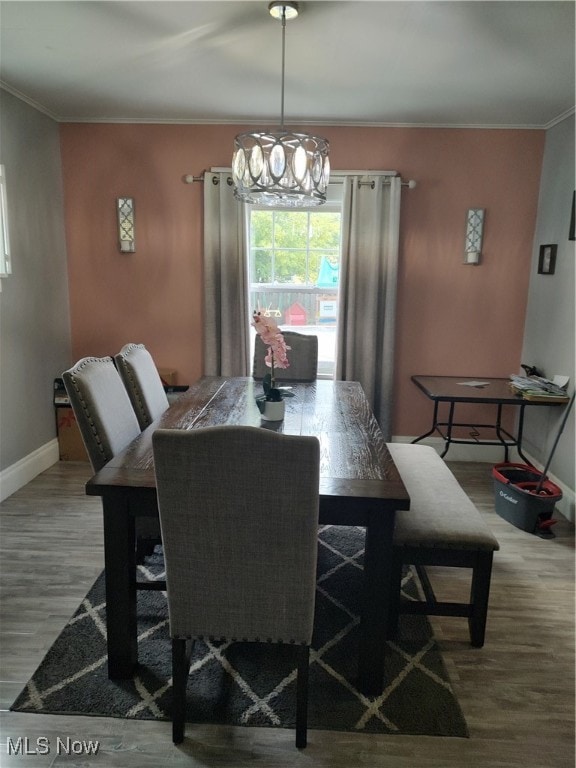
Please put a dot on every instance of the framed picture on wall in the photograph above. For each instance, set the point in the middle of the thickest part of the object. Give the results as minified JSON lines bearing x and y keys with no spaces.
{"x":547,"y":259}
{"x":572,"y":234}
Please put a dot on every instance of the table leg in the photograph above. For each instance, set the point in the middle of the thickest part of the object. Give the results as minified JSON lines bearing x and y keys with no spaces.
{"x":520,"y":434}
{"x":499,"y":432}
{"x":448,"y":437}
{"x":120,"y":570}
{"x":434,"y":425}
{"x":377,"y":596}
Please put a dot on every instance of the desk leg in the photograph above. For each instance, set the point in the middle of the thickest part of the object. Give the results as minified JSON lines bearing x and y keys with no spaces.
{"x":120,"y":569}
{"x":499,"y":431}
{"x":376,"y":607}
{"x":449,"y":424}
{"x":520,"y":434}
{"x":434,"y":425}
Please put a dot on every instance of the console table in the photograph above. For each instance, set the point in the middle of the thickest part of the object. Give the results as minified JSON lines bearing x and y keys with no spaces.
{"x":462,"y":389}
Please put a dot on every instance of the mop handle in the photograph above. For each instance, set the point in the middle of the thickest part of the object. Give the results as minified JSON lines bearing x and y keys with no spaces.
{"x":562,"y":425}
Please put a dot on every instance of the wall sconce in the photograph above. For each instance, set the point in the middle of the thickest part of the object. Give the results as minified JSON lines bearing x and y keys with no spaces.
{"x":126,"y":232}
{"x":474,"y":231}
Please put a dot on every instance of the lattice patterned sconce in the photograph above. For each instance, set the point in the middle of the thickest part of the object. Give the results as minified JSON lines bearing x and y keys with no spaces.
{"x":126,"y":233}
{"x":474,"y":232}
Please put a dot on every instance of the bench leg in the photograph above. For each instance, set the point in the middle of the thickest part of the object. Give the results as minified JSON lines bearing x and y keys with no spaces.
{"x":395,"y":596}
{"x":479,"y":594}
{"x":302,"y":697}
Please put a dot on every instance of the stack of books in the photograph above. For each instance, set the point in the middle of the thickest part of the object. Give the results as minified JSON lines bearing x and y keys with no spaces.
{"x":538,"y":389}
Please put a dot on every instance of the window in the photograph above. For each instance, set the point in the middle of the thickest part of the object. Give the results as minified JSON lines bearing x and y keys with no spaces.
{"x":5,"y":266}
{"x":294,"y":269}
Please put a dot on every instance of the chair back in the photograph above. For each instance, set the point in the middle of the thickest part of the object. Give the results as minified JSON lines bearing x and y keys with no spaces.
{"x":142,"y":382}
{"x":239,"y":516}
{"x":103,"y":411}
{"x":302,"y":356}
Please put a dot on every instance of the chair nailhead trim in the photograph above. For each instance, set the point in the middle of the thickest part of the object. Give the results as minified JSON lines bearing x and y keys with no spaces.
{"x":214,"y":639}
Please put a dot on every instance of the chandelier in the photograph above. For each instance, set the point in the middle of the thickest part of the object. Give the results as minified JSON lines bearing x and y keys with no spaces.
{"x":281,"y":168}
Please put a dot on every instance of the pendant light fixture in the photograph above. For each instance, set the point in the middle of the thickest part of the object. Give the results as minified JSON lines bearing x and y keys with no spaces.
{"x":281,"y":168}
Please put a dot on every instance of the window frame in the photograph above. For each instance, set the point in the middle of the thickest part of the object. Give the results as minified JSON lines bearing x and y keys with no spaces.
{"x":5,"y":260}
{"x":334,"y":204}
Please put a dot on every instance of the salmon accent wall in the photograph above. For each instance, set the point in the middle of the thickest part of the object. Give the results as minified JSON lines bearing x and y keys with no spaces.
{"x":453,"y":319}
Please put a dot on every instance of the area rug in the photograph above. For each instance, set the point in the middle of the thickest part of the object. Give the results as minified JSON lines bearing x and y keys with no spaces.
{"x":252,"y":684}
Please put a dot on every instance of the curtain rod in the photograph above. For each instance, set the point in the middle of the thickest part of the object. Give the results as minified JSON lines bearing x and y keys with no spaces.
{"x":336,"y":177}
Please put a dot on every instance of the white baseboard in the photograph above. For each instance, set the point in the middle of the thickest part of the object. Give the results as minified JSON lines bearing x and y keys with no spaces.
{"x":17,"y":475}
{"x":493,"y":454}
{"x":567,"y":503}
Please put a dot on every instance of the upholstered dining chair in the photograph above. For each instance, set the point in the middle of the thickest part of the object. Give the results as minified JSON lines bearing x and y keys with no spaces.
{"x":107,"y":423}
{"x":142,"y":382}
{"x":302,"y":356}
{"x":239,"y":516}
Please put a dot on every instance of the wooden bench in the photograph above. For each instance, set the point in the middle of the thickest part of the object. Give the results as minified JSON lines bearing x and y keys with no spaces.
{"x":442,"y":527}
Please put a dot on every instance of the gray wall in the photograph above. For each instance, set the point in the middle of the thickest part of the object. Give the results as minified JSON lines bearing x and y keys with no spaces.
{"x":549,"y":331}
{"x":34,"y":314}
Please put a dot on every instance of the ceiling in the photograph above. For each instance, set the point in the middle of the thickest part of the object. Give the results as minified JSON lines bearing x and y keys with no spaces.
{"x":451,"y":63}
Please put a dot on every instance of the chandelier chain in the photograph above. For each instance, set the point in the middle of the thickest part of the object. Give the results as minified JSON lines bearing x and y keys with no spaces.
{"x":283,"y":66}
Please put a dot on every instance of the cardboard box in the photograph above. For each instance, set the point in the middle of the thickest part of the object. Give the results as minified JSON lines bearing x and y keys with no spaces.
{"x":70,"y":442}
{"x":168,"y":376}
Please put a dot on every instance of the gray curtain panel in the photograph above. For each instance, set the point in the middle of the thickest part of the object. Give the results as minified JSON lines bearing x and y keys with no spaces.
{"x":226,"y":315}
{"x":366,"y":322}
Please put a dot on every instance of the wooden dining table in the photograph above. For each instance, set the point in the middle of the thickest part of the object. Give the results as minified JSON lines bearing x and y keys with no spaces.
{"x":359,"y":486}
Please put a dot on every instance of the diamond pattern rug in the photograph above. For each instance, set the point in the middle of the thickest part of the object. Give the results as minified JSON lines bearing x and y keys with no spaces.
{"x":252,"y":684}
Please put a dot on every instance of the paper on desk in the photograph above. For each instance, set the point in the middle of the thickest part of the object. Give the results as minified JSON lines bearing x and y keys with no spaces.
{"x":561,"y":381}
{"x":474,"y":383}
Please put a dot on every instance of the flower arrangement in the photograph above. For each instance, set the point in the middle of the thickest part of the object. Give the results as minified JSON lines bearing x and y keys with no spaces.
{"x":276,"y":356}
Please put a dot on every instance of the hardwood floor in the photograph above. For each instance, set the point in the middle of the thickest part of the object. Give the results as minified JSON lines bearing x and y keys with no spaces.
{"x":517,"y":693}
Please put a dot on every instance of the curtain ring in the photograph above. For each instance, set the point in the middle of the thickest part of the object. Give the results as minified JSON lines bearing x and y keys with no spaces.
{"x":230,"y":181}
{"x":215,"y":180}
